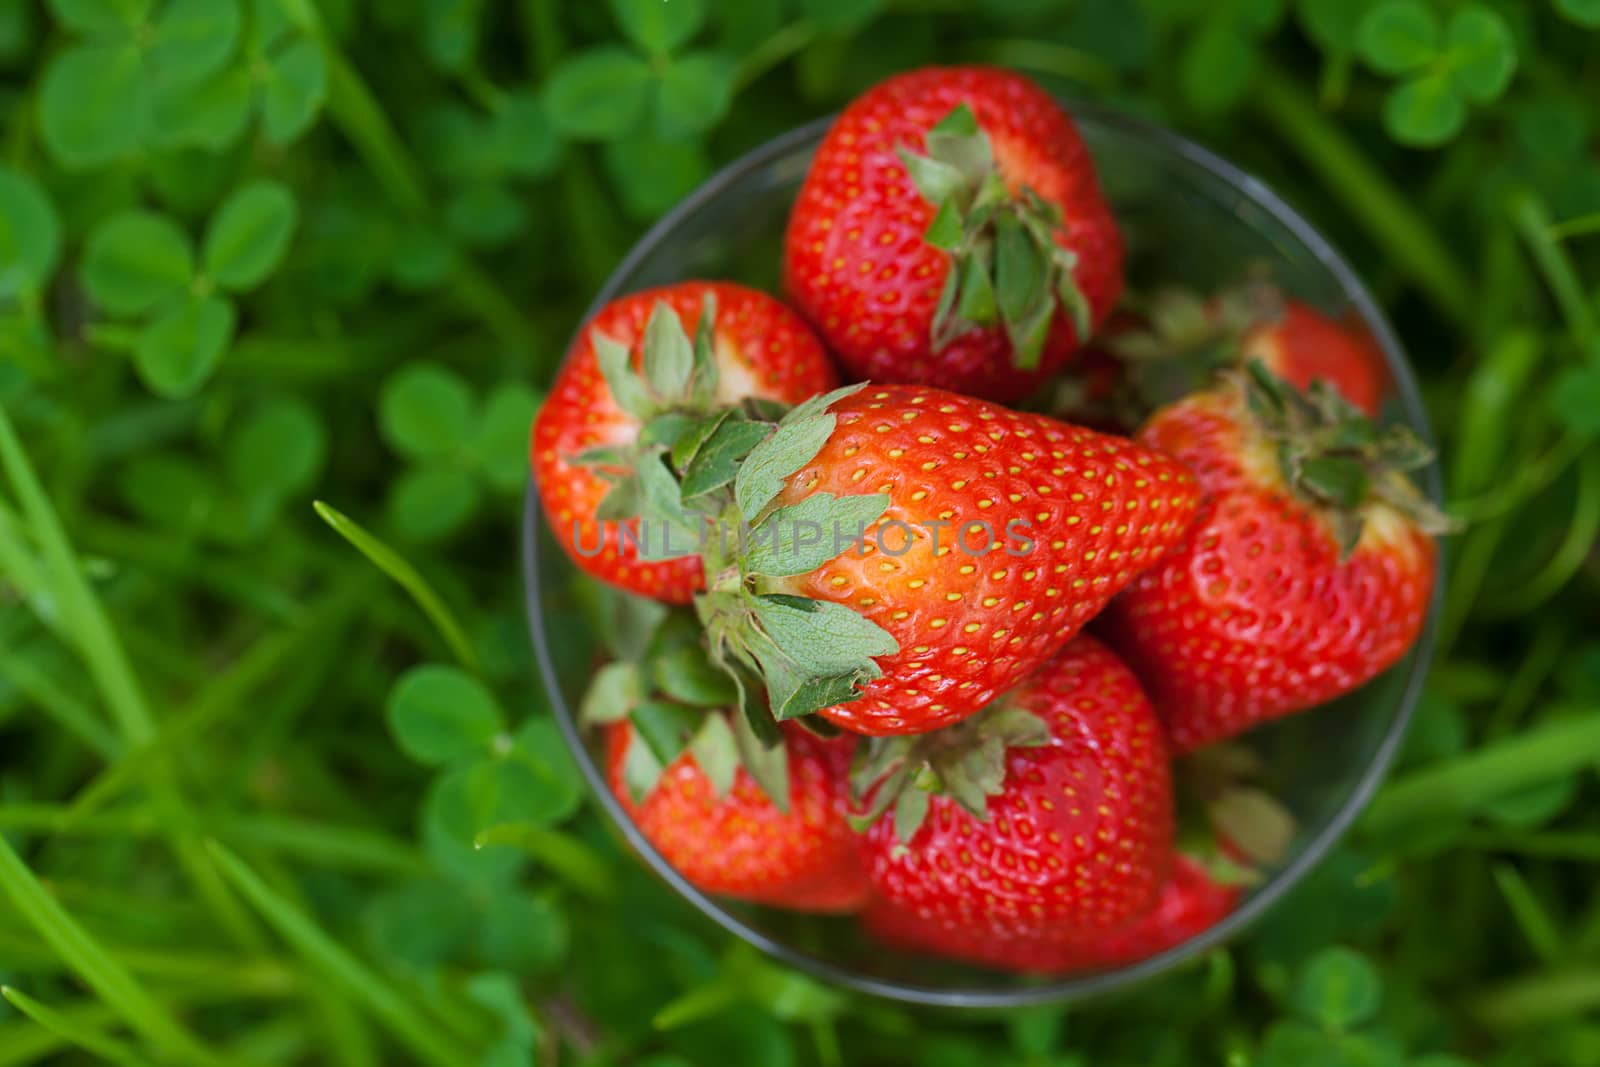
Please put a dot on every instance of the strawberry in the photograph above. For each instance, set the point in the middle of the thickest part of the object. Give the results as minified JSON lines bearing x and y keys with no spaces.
{"x":757,"y":348}
{"x":1308,"y":572}
{"x":953,"y":546}
{"x":1175,"y":343}
{"x":1048,"y":815}
{"x":1191,"y":901}
{"x":978,"y":267}
{"x":739,"y":843}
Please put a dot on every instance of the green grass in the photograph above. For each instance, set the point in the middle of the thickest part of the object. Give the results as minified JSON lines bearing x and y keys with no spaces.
{"x":213,"y":847}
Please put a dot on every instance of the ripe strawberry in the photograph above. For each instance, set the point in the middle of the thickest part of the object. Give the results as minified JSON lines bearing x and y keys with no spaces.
{"x":1307,"y":573}
{"x":978,"y":267}
{"x":1176,"y":343}
{"x":1069,"y":832}
{"x":1191,"y":901}
{"x":740,"y":843}
{"x":990,"y":538}
{"x":760,"y":349}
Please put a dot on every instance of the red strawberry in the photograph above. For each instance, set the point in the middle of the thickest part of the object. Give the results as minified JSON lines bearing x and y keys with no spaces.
{"x":1069,"y":834}
{"x":991,"y":537}
{"x":978,"y":267}
{"x":760,"y":348}
{"x":1191,"y":902}
{"x":741,"y":844}
{"x":1307,"y":573}
{"x":1176,"y":343}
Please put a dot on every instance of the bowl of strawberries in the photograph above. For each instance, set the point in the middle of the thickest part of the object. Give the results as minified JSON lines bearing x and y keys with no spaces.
{"x":982,"y":550}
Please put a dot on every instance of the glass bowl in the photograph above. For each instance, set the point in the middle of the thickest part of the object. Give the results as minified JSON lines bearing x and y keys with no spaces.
{"x":1190,"y":218}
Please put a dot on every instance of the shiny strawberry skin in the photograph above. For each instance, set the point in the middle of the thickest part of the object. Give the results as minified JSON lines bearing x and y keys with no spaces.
{"x":1305,"y":345}
{"x":741,"y":845}
{"x":1077,"y":841}
{"x":972,"y":625}
{"x":1255,"y":616}
{"x":763,"y":349}
{"x":856,"y":264}
{"x":1190,"y":903}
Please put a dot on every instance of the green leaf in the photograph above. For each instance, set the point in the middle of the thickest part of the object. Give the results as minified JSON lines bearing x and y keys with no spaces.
{"x":668,"y":355}
{"x":840,"y":16}
{"x":93,"y":104}
{"x":659,"y":26}
{"x":1338,"y":989}
{"x":598,"y":94}
{"x":1583,"y":12}
{"x":426,"y":411}
{"x":421,"y":924}
{"x":293,"y":89}
{"x":687,"y":676}
{"x":616,"y":366}
{"x":536,"y":783}
{"x":524,"y":137}
{"x":208,"y":114}
{"x":1480,"y":52}
{"x":654,"y":173}
{"x":135,"y":261}
{"x":802,"y":537}
{"x":613,"y":692}
{"x":694,"y":93}
{"x":30,"y":236}
{"x":501,"y":444}
{"x":450,"y":31}
{"x":485,"y":214}
{"x":279,"y":449}
{"x":1218,"y":67}
{"x":795,"y":443}
{"x":177,"y":352}
{"x":1335,"y":25}
{"x":1295,"y":1044}
{"x":1398,"y":36}
{"x":439,"y":714}
{"x":99,"y":16}
{"x":1425,"y":112}
{"x":432,"y":501}
{"x":249,"y":235}
{"x":192,"y":39}
{"x":717,"y":461}
{"x":1574,"y":399}
{"x":522,"y":934}
{"x":716,"y":752}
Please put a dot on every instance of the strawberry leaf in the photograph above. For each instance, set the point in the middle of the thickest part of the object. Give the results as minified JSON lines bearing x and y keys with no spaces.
{"x":664,"y":728}
{"x":688,"y":443}
{"x":614,"y":692}
{"x":802,"y":537}
{"x":937,"y":182}
{"x":714,"y":749}
{"x":716,"y":462}
{"x":686,"y":675}
{"x":910,"y":809}
{"x":794,"y":444}
{"x":666,"y":529}
{"x":616,"y":365}
{"x":641,"y":770}
{"x":668,"y":354}
{"x":763,"y":754}
{"x":704,"y":389}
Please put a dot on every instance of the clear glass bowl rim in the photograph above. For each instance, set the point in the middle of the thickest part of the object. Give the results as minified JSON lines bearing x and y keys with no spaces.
{"x":1282,"y":880}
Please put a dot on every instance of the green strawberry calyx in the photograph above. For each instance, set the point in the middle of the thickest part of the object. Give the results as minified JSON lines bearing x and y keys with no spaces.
{"x":965,"y":761}
{"x":704,"y":480}
{"x":1336,"y":459}
{"x":1183,"y":340}
{"x":676,"y":701}
{"x":1006,"y":268}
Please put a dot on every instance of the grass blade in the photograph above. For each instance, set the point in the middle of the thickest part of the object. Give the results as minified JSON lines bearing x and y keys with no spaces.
{"x":388,"y":1005}
{"x":89,"y":1038}
{"x":98,"y":968}
{"x":406,"y":576}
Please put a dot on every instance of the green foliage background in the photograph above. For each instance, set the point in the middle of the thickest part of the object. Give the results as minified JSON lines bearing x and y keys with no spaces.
{"x":257,"y":252}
